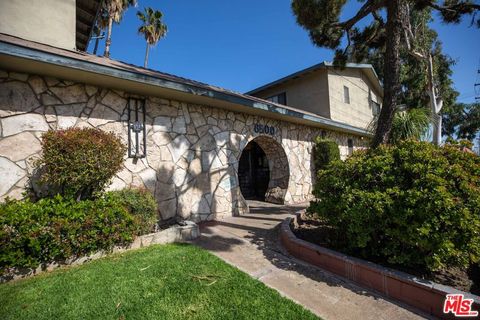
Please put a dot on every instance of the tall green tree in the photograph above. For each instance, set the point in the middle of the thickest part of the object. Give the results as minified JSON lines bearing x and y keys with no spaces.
{"x":390,"y":26}
{"x":152,"y":28}
{"x":462,"y":121}
{"x":114,"y":10}
{"x":416,"y":83}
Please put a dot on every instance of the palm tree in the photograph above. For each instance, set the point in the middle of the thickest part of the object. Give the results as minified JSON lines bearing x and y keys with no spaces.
{"x":411,"y":123}
{"x":152,"y":28}
{"x":114,"y":11}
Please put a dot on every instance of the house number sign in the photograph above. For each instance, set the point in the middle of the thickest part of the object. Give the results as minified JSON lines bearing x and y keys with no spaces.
{"x":259,"y":128}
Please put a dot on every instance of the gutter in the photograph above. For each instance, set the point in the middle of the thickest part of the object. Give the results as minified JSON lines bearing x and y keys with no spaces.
{"x":288,"y":114}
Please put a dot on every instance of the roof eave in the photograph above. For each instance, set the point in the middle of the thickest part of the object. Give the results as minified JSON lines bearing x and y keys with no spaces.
{"x":286,"y":114}
{"x":322,"y":65}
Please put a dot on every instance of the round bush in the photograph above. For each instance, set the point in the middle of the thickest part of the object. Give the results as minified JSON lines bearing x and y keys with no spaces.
{"x":413,"y":204}
{"x":80,"y":162}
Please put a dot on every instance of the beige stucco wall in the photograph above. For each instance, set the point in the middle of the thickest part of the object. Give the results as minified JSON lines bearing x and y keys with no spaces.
{"x":321,"y":92}
{"x":358,"y":112}
{"x":309,"y":93}
{"x":46,"y":21}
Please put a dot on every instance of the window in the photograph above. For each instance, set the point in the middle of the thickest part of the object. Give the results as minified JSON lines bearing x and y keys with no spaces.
{"x":374,"y":104}
{"x":375,"y":108}
{"x":350,"y":146}
{"x":346,"y":95}
{"x":280,"y":98}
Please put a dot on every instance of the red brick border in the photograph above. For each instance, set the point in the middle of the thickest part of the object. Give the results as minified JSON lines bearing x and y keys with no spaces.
{"x":419,"y":293}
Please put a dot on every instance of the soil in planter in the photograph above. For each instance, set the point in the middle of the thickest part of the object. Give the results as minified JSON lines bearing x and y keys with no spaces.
{"x":316,"y":231}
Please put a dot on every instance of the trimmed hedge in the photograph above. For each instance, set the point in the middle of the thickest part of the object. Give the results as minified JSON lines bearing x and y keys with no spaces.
{"x":413,"y":204}
{"x":78,"y":162}
{"x":325,"y":151}
{"x":58,"y":228}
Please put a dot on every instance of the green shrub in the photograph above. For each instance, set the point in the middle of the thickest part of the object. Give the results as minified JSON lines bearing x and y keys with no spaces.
{"x":414,"y":205}
{"x":141,"y":204}
{"x":325,"y":151}
{"x":58,"y":228}
{"x":80,"y":162}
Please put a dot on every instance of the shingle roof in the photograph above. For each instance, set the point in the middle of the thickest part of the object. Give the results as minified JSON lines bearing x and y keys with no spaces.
{"x":322,"y":65}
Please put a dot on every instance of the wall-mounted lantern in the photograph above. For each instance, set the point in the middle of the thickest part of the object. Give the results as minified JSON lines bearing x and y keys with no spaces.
{"x":137,"y":134}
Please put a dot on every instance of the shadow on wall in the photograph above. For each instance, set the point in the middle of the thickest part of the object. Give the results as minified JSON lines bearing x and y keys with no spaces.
{"x":197,"y":184}
{"x":201,"y":181}
{"x":192,"y":151}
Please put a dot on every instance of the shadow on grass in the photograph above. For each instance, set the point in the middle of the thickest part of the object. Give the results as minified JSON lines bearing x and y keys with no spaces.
{"x":251,"y":228}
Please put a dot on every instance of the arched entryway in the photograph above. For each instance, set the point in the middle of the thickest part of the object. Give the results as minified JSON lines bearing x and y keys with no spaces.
{"x":263,"y":171}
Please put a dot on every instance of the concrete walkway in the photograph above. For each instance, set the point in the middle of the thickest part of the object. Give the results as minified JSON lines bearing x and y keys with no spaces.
{"x":250,"y":242}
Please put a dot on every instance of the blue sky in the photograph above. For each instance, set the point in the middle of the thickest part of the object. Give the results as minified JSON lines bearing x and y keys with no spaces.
{"x":240,"y":45}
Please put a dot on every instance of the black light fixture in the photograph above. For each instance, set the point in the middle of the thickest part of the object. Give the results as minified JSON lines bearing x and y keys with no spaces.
{"x":137,"y":135}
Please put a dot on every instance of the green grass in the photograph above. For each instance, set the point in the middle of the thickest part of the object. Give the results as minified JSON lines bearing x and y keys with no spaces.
{"x":159,"y":282}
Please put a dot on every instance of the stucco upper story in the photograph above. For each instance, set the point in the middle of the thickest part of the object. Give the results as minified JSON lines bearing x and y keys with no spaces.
{"x":64,"y":24}
{"x":351,"y":95}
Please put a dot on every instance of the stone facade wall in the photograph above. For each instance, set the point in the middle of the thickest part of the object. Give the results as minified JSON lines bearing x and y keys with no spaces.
{"x":192,"y":150}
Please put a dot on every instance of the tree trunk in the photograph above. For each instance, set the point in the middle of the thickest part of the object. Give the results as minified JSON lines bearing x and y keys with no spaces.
{"x":146,"y":56}
{"x":396,"y":12}
{"x":437,"y":129}
{"x":436,"y":104}
{"x":97,"y":40}
{"x":109,"y":38}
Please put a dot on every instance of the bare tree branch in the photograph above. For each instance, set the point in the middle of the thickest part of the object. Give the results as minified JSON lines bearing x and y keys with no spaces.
{"x":349,"y":41}
{"x":378,"y":18}
{"x":461,"y":6}
{"x":368,"y":8}
{"x":410,"y":37}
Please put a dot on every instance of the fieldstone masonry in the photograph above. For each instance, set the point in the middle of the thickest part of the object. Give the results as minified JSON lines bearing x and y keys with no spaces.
{"x":192,"y":151}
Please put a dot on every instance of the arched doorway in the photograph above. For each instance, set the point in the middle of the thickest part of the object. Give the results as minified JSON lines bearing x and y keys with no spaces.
{"x":263,"y":171}
{"x":253,"y":172}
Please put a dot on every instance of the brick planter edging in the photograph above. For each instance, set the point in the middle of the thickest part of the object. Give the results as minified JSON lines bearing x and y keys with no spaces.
{"x":422,"y":294}
{"x":188,"y":232}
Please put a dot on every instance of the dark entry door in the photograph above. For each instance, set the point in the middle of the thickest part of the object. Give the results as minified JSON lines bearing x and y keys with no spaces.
{"x":253,"y":172}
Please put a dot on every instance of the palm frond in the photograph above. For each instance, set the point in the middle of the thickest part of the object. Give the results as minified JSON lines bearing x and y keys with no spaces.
{"x":410,"y":124}
{"x":407,"y":124}
{"x":152,"y":28}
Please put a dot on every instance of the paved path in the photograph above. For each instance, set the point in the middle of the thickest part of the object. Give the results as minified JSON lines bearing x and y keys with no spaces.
{"x":249,"y":242}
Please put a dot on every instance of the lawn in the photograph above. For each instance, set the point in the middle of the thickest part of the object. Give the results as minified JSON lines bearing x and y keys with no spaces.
{"x":159,"y":282}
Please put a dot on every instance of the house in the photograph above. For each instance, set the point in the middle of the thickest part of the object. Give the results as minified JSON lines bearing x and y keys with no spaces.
{"x":201,"y":150}
{"x":351,"y":95}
